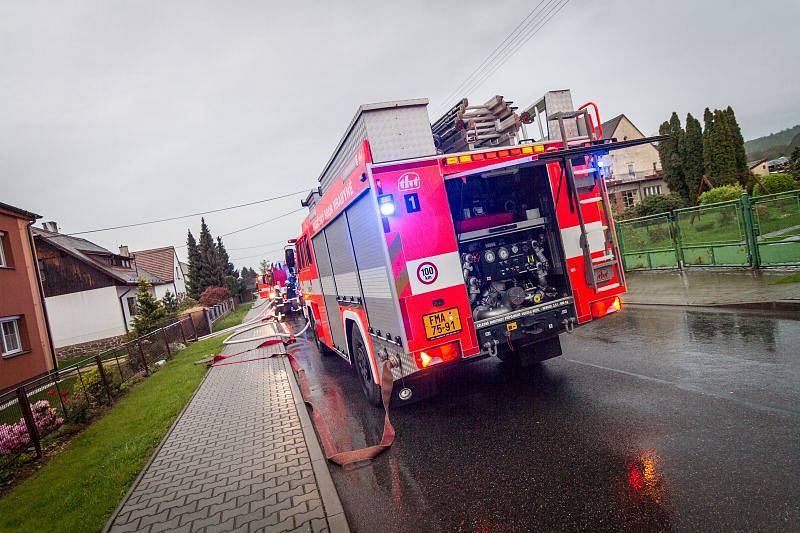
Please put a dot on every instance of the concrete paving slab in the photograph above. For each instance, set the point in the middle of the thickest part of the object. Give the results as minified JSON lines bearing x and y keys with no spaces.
{"x":710,"y":288}
{"x":242,"y":456}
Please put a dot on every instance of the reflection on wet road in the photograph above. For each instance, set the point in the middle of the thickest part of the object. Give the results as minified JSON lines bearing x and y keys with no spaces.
{"x":654,"y":419}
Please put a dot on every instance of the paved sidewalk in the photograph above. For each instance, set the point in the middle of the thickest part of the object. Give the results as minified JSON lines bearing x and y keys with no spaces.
{"x":704,"y":287}
{"x":243,"y":456}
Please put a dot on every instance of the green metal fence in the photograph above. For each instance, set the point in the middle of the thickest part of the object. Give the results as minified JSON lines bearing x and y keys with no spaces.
{"x":712,"y":235}
{"x":648,"y":243}
{"x":758,"y":231}
{"x":776,"y":224}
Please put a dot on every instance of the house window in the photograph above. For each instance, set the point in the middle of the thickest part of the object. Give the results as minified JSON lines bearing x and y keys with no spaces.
{"x":9,"y":331}
{"x":2,"y":252}
{"x":631,"y":169}
{"x":627,"y":198}
{"x":131,"y":305}
{"x":652,"y":190}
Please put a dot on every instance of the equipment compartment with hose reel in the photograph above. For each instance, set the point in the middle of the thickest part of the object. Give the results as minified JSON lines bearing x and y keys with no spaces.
{"x":512,"y":264}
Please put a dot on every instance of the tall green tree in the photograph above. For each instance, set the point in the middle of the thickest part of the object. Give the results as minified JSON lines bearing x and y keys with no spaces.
{"x":709,"y":161}
{"x":672,"y":153}
{"x":149,"y":311}
{"x":794,"y":163}
{"x":225,"y":261}
{"x":209,"y":273}
{"x":736,"y":139}
{"x":723,"y":151}
{"x":170,"y":303}
{"x":693,"y":156}
{"x":192,"y":277}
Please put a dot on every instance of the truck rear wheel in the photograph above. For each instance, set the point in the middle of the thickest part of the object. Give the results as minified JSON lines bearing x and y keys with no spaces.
{"x":361,"y":363}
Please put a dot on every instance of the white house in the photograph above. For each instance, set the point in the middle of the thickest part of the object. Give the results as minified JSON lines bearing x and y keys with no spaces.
{"x":165,"y":265}
{"x":90,"y":292}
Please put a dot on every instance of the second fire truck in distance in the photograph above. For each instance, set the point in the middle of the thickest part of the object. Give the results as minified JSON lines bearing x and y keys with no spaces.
{"x":435,"y":245}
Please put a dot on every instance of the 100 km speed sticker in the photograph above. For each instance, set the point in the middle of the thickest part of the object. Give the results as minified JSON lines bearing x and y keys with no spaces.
{"x":427,"y":273}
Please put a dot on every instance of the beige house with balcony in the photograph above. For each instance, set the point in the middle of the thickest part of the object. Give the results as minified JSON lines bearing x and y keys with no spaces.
{"x":632,"y":173}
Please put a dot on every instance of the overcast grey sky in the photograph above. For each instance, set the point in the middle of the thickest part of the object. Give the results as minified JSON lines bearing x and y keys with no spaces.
{"x":115,"y":112}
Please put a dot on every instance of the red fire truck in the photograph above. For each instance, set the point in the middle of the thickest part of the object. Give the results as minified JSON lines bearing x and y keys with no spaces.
{"x":435,"y":245}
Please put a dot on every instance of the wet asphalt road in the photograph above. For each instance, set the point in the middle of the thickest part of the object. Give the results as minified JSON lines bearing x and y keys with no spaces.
{"x":653,"y":419}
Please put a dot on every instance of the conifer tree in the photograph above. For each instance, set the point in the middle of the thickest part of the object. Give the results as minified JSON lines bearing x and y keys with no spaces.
{"x":709,"y":161}
{"x":192,"y":278}
{"x":723,"y":151}
{"x":737,"y":141}
{"x":693,"y":156}
{"x":227,"y":267}
{"x":170,"y":303}
{"x":209,"y":272}
{"x":149,"y":311}
{"x":671,"y":152}
{"x":794,"y":163}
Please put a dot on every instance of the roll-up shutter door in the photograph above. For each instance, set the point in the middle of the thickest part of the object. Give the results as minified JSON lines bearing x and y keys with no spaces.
{"x":343,"y":262}
{"x":368,"y":244}
{"x":328,"y":284}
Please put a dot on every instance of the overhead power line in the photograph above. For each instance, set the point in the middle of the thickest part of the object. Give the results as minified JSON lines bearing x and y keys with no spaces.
{"x":551,"y":10}
{"x":488,"y":58}
{"x":521,"y":34}
{"x":156,"y":221}
{"x":258,"y":245}
{"x":256,"y":224}
{"x":262,"y":255}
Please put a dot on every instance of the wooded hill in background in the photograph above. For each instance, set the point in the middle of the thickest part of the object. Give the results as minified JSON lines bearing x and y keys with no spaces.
{"x":774,"y":145}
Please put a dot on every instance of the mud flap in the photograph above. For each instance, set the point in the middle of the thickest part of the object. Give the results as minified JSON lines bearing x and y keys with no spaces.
{"x":539,"y":351}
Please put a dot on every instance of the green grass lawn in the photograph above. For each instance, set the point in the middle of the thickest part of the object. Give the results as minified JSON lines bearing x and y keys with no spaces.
{"x":234,"y":318}
{"x":80,"y":487}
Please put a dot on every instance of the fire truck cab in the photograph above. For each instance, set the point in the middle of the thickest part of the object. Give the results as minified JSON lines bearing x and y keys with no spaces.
{"x":435,"y":245}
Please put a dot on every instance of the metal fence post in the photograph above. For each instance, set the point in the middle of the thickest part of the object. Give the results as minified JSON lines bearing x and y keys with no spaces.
{"x":194,"y":328}
{"x":141,"y":354}
{"x":672,"y":221}
{"x":183,"y":334}
{"x":103,"y":377}
{"x":166,"y":343}
{"x":30,"y":422}
{"x":750,"y":229}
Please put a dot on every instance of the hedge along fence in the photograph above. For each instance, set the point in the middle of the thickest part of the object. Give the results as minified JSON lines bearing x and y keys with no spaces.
{"x":758,"y":231}
{"x":36,"y":409}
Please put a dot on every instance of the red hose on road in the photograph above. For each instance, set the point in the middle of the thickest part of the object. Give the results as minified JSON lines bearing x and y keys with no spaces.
{"x":341,"y":458}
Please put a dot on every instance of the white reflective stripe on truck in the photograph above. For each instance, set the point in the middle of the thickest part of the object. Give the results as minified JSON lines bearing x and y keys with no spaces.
{"x":572,"y":239}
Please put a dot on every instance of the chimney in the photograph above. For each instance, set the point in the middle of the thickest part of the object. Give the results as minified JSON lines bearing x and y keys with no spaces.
{"x":50,"y":226}
{"x":123,"y":251}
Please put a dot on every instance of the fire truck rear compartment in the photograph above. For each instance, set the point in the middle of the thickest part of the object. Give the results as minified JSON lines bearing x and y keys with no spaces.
{"x":512,"y":258}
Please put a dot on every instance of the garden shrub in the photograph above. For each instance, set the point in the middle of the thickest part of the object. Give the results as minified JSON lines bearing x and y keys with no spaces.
{"x":775,"y":183}
{"x":186,"y":302}
{"x":94,"y":384}
{"x":721,"y":194}
{"x":14,"y":437}
{"x":214,"y":295}
{"x":658,"y":203}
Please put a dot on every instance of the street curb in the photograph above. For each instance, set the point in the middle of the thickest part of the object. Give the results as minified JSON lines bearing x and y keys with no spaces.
{"x":334,"y":512}
{"x":778,"y":305}
{"x":153,"y":456}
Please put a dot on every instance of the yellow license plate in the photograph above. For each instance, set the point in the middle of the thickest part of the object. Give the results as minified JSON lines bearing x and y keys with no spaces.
{"x":442,"y":323}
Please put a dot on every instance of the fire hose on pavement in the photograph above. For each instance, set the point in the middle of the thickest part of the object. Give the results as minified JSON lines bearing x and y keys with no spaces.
{"x":332,"y":454}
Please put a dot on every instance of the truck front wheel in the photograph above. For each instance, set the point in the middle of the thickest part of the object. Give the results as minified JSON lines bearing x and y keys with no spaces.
{"x":361,"y":362}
